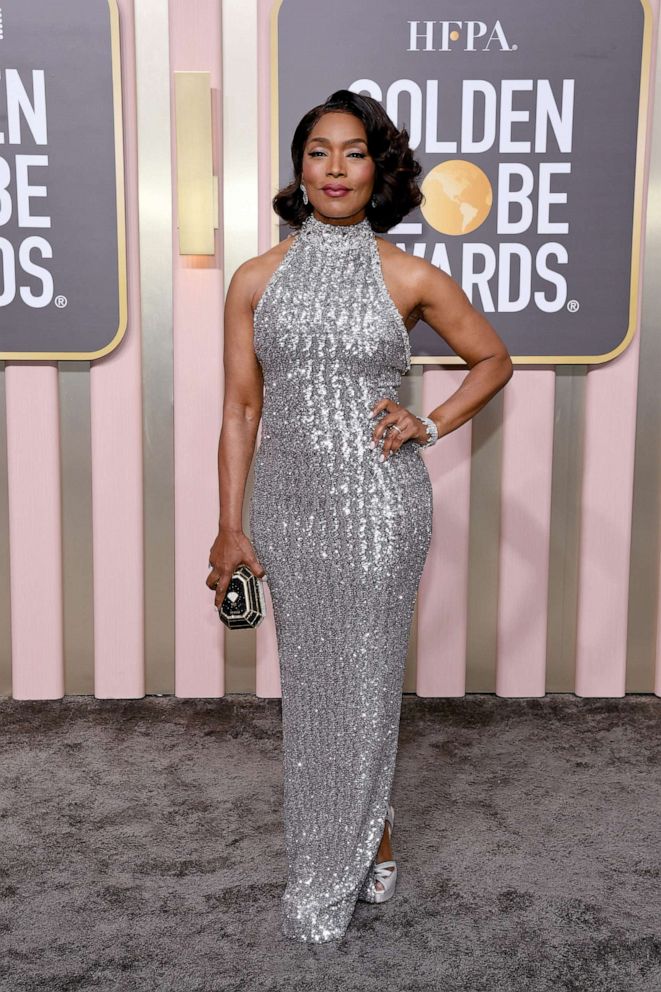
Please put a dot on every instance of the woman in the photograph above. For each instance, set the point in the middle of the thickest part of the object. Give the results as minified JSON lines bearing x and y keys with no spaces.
{"x":316,"y":341}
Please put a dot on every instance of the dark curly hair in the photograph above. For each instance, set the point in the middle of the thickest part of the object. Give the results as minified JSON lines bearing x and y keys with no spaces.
{"x":396,"y":191}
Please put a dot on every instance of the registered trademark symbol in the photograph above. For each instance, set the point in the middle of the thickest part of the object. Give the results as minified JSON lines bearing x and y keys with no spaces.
{"x":60,"y":301}
{"x":573,"y":306}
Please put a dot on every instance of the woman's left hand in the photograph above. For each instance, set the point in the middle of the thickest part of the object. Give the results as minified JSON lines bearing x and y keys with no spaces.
{"x":398,"y":425}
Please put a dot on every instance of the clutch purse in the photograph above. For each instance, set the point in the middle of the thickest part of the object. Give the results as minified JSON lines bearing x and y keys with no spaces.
{"x":243,"y":605}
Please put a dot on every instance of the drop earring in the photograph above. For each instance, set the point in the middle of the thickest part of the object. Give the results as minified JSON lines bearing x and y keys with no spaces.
{"x":305,"y":193}
{"x":373,"y":202}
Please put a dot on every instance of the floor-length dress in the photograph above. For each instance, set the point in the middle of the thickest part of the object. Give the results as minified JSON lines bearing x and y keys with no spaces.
{"x":343,"y":539}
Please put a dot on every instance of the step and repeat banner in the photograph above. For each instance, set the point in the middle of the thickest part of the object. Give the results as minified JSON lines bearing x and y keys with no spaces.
{"x":528,"y":120}
{"x":62,"y":229}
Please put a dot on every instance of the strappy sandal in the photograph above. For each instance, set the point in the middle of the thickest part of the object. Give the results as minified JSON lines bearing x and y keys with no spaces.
{"x":384,"y":872}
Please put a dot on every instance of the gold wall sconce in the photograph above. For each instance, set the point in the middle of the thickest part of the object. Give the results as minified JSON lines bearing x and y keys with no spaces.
{"x":197,"y":187}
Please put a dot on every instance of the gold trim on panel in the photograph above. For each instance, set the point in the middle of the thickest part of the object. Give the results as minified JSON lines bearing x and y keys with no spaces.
{"x":643,"y":614}
{"x":77,"y":529}
{"x":564,"y":545}
{"x":153,"y":98}
{"x":121,"y":223}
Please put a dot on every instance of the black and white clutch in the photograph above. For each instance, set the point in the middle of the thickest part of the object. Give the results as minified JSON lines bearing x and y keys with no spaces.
{"x":244,"y":604}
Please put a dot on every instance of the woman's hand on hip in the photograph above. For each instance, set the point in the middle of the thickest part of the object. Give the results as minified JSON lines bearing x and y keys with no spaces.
{"x":397,"y":426}
{"x":230,"y":549}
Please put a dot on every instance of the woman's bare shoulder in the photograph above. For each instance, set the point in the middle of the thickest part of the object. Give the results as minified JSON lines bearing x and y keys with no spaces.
{"x":415,"y":274}
{"x":403,"y":274}
{"x":405,"y":261}
{"x":253,"y":274}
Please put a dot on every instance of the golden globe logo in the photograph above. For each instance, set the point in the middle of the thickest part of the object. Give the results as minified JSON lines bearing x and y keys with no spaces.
{"x":458,"y":197}
{"x":443,"y":36}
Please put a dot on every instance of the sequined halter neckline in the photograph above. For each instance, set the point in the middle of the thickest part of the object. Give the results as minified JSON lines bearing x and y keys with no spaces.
{"x":340,"y":236}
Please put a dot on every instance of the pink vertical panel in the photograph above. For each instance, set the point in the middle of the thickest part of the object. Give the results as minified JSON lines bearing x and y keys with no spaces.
{"x":264,"y":97}
{"x":116,"y":427}
{"x":525,"y":525}
{"x":35,"y":530}
{"x":266,"y":645}
{"x":198,"y":395}
{"x":607,"y":501}
{"x":195,"y":46}
{"x":268,"y":666}
{"x":607,"y":492}
{"x":443,"y":593}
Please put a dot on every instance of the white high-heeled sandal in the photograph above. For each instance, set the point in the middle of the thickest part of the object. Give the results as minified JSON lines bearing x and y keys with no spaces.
{"x":384,"y":872}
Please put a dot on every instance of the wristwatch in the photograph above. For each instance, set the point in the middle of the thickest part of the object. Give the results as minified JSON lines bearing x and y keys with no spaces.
{"x":432,"y":431}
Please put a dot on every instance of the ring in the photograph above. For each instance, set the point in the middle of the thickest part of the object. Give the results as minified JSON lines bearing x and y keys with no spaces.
{"x":398,"y":428}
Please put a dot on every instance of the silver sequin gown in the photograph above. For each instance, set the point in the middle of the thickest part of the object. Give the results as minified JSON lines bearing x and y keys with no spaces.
{"x":343,"y":539}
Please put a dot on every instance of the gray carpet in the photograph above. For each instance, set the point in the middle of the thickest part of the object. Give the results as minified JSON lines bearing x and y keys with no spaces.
{"x":141,"y":848}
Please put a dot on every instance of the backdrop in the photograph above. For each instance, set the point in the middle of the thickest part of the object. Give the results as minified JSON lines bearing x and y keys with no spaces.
{"x":543,"y":574}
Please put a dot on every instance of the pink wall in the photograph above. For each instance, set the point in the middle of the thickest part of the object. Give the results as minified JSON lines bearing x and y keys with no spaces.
{"x":33,"y":452}
{"x":198,"y":293}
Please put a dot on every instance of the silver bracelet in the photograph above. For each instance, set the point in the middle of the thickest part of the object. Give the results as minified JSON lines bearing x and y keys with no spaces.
{"x":432,"y":431}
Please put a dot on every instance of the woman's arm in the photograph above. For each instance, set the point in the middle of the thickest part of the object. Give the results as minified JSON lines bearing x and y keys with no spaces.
{"x":445,"y":307}
{"x":242,"y":410}
{"x":242,"y":404}
{"x":433,"y":295}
